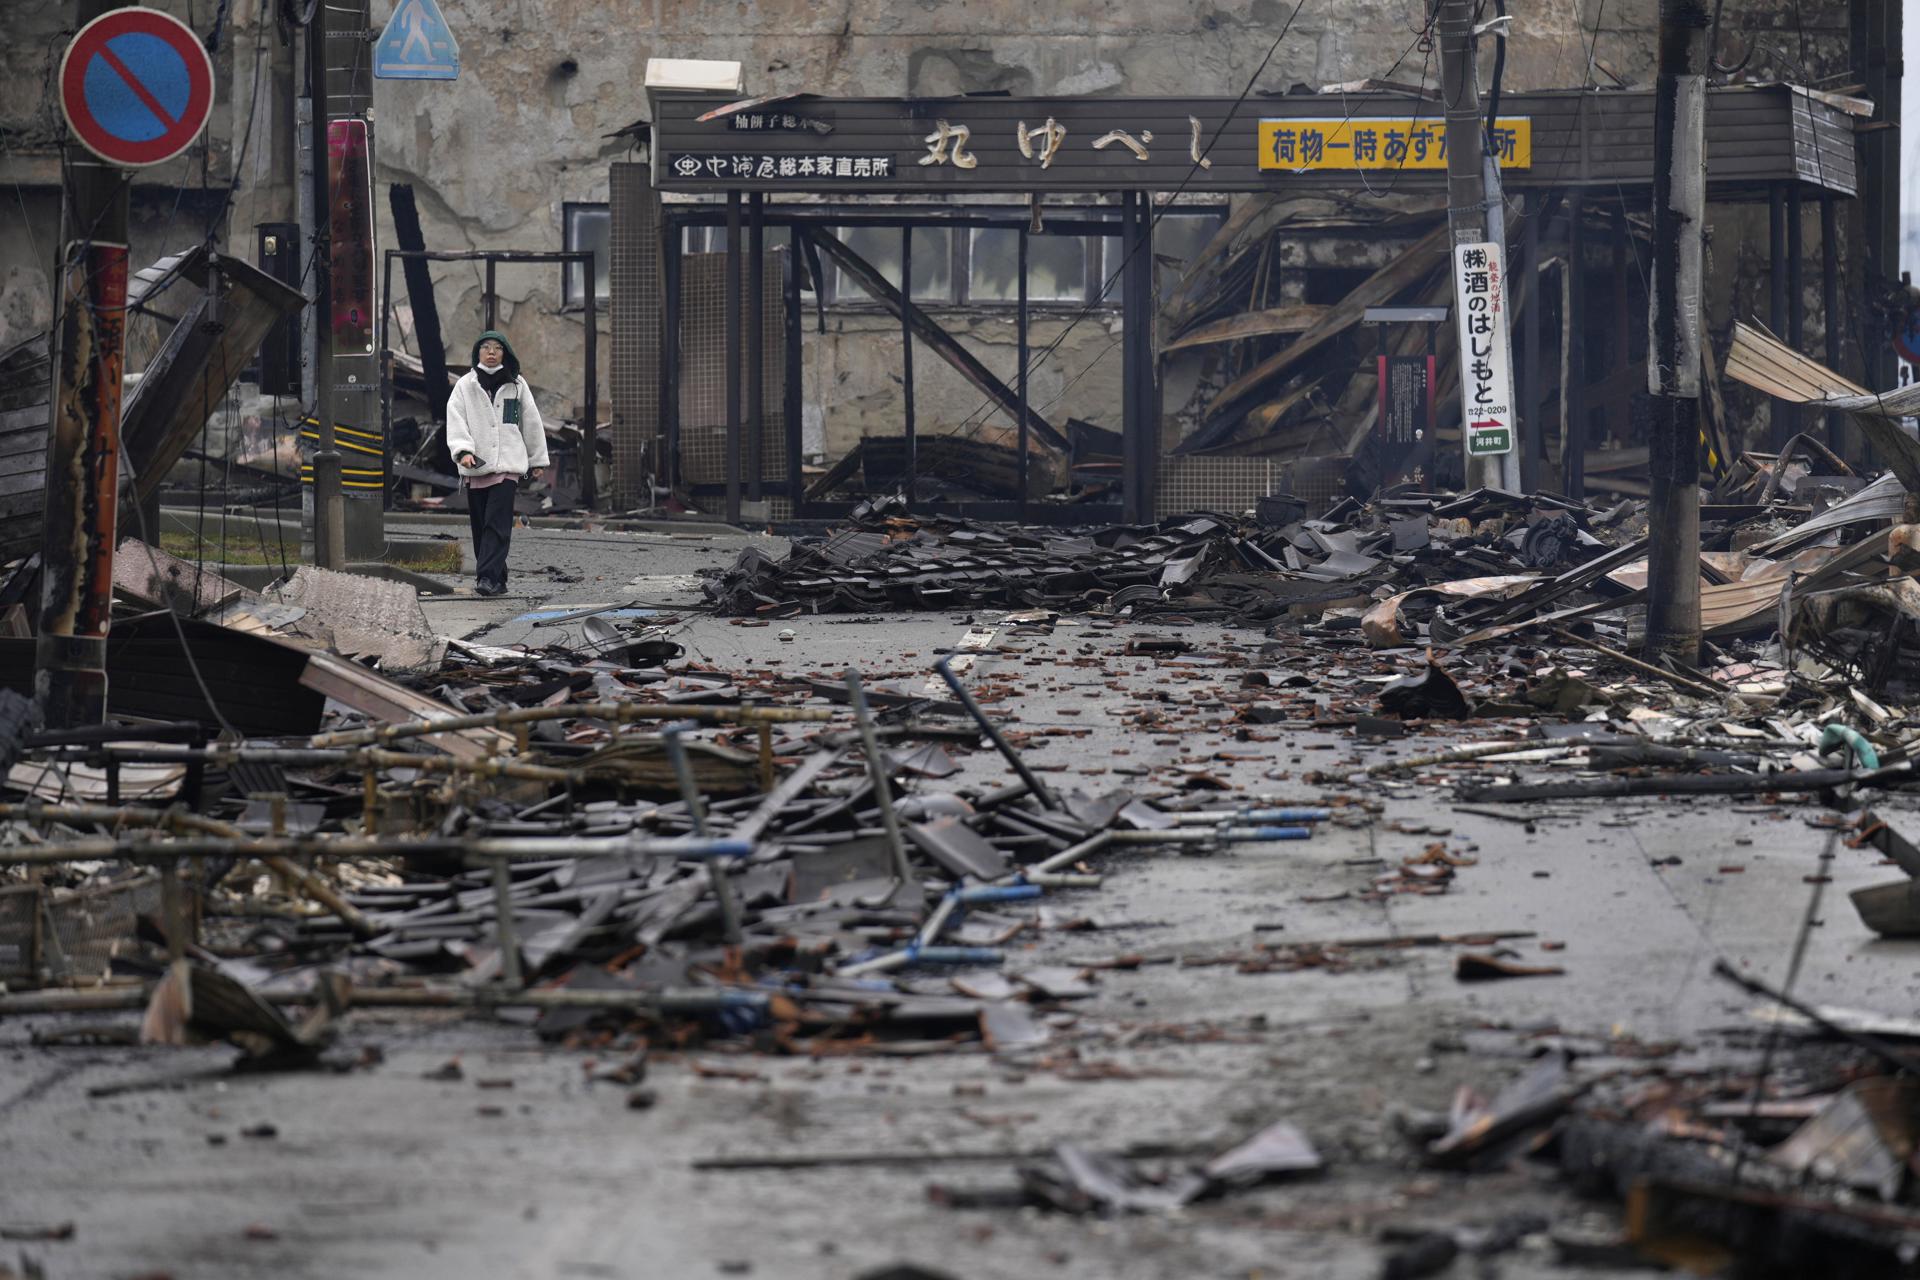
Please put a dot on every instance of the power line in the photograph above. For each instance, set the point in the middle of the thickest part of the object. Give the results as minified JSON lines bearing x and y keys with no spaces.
{"x":1422,"y":39}
{"x":1034,"y":361}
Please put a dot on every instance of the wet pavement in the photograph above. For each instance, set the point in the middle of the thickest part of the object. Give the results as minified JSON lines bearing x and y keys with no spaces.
{"x":384,"y":1172}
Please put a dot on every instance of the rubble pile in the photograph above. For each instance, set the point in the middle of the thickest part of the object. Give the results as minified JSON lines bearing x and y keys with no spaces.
{"x":521,"y":844}
{"x":630,"y":849}
{"x":1201,"y":564}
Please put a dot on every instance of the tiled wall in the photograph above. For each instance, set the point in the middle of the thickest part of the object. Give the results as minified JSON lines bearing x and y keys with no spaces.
{"x":1229,"y":485}
{"x":637,"y":288}
{"x":703,"y":355}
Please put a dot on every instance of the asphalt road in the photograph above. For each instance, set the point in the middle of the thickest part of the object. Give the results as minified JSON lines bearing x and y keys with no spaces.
{"x":381,"y":1172}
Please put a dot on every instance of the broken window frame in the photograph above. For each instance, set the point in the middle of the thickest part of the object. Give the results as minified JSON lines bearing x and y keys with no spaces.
{"x":841,"y":290}
{"x":1105,"y":254}
{"x":1165,"y":275}
{"x":571,"y":285}
{"x":714,"y":240}
{"x":1091,"y":258}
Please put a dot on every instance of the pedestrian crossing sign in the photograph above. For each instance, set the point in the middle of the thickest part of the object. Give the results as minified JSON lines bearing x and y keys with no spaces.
{"x":416,"y":45}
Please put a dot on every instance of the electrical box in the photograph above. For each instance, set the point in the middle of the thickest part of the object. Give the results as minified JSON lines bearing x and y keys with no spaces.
{"x":277,"y":252}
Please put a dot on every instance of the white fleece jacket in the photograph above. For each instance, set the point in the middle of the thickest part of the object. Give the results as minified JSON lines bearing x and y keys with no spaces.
{"x":485,"y":427}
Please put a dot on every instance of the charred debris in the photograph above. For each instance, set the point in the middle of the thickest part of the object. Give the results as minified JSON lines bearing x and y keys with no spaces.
{"x":627,"y":849}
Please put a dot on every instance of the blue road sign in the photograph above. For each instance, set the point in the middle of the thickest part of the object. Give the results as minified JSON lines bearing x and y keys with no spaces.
{"x":136,"y":86}
{"x":416,"y":45}
{"x":1906,"y":336}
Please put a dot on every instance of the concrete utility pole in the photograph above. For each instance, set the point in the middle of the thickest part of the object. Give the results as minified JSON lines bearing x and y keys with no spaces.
{"x":1673,"y":349}
{"x":83,"y":444}
{"x":329,"y":521}
{"x":350,"y":464}
{"x":1489,"y":426}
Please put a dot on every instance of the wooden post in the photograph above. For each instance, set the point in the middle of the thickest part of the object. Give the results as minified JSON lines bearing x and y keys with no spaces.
{"x":590,"y":429}
{"x":1796,"y":333}
{"x":1528,"y":297}
{"x":732,"y":313}
{"x":756,"y":342}
{"x":1573,"y":430}
{"x":906,"y":360}
{"x":1779,"y":413}
{"x":795,"y":373}
{"x":668,"y":468}
{"x":1020,"y":373}
{"x":83,"y":441}
{"x":1837,"y":430}
{"x":1619,"y":399}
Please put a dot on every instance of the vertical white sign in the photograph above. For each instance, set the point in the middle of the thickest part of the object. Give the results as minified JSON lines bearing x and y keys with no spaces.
{"x":1486,"y":367}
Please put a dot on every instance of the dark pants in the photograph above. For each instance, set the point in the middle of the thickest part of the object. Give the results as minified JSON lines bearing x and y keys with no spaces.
{"x":491,"y":511}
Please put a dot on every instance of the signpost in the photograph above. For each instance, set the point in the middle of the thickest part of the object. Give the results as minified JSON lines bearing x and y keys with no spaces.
{"x":417,"y":44}
{"x":1486,"y":372}
{"x":136,"y":87}
{"x":1906,"y":336}
{"x":1406,"y":399}
{"x":1406,"y":375}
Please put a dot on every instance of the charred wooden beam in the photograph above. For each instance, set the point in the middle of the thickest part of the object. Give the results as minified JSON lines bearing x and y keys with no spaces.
{"x":944,"y":344}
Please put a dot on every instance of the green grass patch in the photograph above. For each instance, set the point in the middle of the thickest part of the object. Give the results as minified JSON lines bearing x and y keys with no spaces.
{"x":247,"y":545}
{"x":244,"y":545}
{"x":442,"y":557}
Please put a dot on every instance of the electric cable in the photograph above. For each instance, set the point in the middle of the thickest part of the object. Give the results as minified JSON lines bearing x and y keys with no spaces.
{"x":1423,"y":38}
{"x":972,"y":420}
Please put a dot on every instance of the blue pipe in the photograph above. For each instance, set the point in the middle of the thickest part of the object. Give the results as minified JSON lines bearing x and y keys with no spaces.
{"x":997,"y":893}
{"x":1284,"y":815}
{"x":954,"y":955}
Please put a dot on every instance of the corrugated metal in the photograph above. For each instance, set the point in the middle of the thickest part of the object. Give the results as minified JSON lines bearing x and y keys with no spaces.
{"x":24,"y":371}
{"x":1755,"y":135}
{"x":254,"y":678}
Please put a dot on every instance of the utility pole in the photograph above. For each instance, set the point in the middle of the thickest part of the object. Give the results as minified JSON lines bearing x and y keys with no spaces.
{"x":329,"y":521}
{"x":83,"y":443}
{"x":1673,"y":349}
{"x":1488,"y":422}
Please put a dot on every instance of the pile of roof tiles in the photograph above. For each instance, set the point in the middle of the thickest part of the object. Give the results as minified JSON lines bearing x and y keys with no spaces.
{"x":1198,"y":564}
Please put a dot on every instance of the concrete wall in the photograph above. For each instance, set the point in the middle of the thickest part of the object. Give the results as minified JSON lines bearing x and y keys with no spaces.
{"x":494,"y":156}
{"x":854,"y":374}
{"x":174,"y":205}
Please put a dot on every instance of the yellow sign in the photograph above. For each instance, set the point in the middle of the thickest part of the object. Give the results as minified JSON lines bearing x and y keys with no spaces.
{"x":1399,"y":143}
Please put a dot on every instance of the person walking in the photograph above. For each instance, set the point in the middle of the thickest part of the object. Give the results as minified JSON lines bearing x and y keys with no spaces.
{"x":495,"y":435}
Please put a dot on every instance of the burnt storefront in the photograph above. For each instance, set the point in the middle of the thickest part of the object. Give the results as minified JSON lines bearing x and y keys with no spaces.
{"x":1311,"y":209}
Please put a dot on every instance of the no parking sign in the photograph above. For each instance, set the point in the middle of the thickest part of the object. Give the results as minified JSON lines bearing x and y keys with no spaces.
{"x":136,"y":86}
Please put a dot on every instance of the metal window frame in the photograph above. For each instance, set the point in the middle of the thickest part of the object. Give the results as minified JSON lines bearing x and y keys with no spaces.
{"x":1092,"y":262}
{"x":1103,"y":258}
{"x":569,"y":300}
{"x":1116,"y":252}
{"x":1140,"y":394}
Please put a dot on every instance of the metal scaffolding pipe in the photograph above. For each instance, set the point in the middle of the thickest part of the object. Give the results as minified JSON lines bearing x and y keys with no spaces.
{"x":617,"y":711}
{"x":529,"y":848}
{"x":669,"y":1000}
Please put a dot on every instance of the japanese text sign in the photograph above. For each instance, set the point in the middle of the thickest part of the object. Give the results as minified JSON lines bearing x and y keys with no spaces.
{"x":1486,"y":375}
{"x":1380,"y":143}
